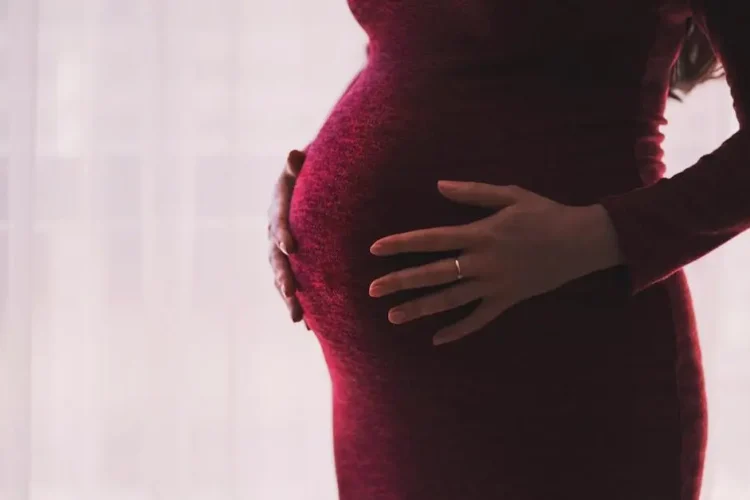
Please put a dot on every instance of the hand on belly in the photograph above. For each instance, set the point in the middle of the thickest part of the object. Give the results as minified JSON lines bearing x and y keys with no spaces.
{"x":530,"y":246}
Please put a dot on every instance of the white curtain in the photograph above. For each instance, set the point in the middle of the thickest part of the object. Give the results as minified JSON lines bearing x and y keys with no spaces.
{"x":144,"y":354}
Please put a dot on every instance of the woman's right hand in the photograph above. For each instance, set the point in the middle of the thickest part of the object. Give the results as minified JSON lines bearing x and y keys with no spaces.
{"x":281,"y":243}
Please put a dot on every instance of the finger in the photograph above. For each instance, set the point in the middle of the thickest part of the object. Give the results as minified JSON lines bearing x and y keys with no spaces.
{"x":285,"y":283}
{"x":294,"y":161}
{"x":295,"y":309}
{"x":436,"y":239}
{"x":480,"y":194}
{"x":284,"y":277}
{"x":279,"y":212}
{"x":444,"y":300}
{"x":278,"y":228}
{"x":284,"y":240}
{"x":432,"y":274}
{"x":479,"y":318}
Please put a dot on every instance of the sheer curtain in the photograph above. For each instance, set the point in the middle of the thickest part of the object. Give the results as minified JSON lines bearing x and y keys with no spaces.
{"x":144,"y":353}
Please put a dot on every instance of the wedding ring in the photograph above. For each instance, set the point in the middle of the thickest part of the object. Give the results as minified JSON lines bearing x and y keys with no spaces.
{"x":459,"y":276}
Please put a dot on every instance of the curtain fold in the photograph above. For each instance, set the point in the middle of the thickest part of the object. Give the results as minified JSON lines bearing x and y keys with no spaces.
{"x":18,"y":88}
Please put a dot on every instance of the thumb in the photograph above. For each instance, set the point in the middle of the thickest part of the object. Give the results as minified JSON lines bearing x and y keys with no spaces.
{"x":294,"y":161}
{"x":480,"y":194}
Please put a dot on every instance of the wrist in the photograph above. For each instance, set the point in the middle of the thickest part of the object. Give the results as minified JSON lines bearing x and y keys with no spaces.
{"x":595,"y":242}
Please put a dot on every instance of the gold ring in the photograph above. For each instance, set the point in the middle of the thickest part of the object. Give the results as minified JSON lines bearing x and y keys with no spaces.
{"x":459,"y":276}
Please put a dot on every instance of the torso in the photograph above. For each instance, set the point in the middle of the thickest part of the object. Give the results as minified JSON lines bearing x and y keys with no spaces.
{"x":564,"y":98}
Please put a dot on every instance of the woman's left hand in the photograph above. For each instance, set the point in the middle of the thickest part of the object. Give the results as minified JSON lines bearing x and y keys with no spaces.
{"x":530,"y":246}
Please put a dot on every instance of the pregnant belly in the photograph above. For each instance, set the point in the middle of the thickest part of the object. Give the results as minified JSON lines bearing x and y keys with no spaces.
{"x":373,"y":169}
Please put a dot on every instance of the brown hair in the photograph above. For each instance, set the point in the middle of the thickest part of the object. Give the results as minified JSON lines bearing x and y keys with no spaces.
{"x":696,"y":63}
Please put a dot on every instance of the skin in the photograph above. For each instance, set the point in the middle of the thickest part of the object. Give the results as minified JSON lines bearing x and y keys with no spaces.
{"x":547,"y":243}
{"x":280,"y":238}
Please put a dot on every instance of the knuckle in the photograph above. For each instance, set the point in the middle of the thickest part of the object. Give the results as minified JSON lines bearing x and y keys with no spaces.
{"x":487,"y":235}
{"x":397,"y":282}
{"x":276,"y":252}
{"x":274,"y":256}
{"x":398,"y":243}
{"x":273,"y":233}
{"x":279,"y":276}
{"x":279,"y":223}
{"x":277,"y":241}
{"x":388,"y":286}
{"x":415,"y":309}
{"x":416,"y":275}
{"x":294,"y":157}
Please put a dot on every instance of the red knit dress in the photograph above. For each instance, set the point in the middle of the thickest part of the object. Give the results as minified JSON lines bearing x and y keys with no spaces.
{"x":591,"y":392}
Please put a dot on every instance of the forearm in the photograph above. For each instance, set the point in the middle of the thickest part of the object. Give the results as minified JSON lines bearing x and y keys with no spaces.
{"x":666,"y":225}
{"x":595,"y":243}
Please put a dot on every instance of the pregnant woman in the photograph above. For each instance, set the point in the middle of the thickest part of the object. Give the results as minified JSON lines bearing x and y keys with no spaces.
{"x":483,"y":242}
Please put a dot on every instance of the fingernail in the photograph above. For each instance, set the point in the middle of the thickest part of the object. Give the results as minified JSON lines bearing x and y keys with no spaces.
{"x":300,"y":155}
{"x":447,"y":184}
{"x":396,"y":316}
{"x":439,"y":339}
{"x":284,"y":291}
{"x":375,"y":291}
{"x":282,"y":247}
{"x":375,"y":248}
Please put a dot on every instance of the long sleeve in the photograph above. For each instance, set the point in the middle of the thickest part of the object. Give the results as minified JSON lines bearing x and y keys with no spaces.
{"x":663,"y":227}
